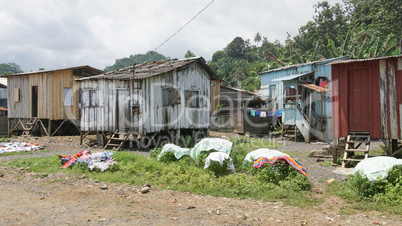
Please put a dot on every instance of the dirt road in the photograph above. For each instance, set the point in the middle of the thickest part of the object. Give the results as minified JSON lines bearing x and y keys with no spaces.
{"x":27,"y":198}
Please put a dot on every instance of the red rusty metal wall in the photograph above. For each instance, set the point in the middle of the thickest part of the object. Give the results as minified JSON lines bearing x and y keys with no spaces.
{"x":356,"y":98}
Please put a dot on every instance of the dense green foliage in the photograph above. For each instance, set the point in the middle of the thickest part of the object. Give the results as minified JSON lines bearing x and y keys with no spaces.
{"x":150,"y":56}
{"x":358,"y":29}
{"x":9,"y":68}
{"x":386,"y":192}
{"x":189,"y":54}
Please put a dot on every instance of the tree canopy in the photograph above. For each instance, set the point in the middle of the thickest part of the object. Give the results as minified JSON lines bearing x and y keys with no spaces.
{"x":358,"y":29}
{"x":189,"y":54}
{"x":9,"y":68}
{"x":150,"y":56}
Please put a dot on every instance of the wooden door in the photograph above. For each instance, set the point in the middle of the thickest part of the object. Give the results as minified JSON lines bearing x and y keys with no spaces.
{"x":238,"y":121}
{"x":359,"y":100}
{"x":123,"y":110}
{"x":34,"y":102}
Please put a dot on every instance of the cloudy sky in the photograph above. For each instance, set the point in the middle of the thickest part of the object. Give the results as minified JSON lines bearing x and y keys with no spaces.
{"x":54,"y":34}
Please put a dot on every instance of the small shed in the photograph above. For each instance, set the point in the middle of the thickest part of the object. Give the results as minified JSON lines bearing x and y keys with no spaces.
{"x":234,"y":115}
{"x":367,"y":97}
{"x":151,"y":101}
{"x":47,"y":100}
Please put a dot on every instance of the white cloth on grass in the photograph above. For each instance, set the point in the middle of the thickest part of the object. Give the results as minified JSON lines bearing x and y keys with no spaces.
{"x":219,"y":157}
{"x":207,"y":144}
{"x":377,"y":167}
{"x":176,"y":150}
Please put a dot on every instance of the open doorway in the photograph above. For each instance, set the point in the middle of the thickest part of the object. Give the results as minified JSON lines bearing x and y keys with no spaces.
{"x":34,"y":102}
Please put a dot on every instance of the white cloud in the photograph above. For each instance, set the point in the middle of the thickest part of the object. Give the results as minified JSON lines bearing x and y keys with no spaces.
{"x":56,"y":33}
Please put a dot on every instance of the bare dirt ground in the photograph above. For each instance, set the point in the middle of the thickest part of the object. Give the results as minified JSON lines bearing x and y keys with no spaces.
{"x":27,"y":198}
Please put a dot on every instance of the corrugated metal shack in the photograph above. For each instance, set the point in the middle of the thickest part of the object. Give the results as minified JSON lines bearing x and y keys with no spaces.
{"x":150,"y":103}
{"x":367,"y":97}
{"x":46,"y":101}
{"x":232,"y":115}
{"x":301,"y":92}
{"x":3,"y":92}
{"x":3,"y":107}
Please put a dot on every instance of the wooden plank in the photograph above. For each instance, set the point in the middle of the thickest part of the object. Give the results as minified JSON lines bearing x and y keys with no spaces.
{"x":393,"y":120}
{"x":383,"y":99}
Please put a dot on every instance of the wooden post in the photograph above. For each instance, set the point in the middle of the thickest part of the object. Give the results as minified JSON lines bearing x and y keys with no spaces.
{"x":387,"y":147}
{"x":335,"y":151}
{"x":49,"y":126}
{"x":394,"y":146}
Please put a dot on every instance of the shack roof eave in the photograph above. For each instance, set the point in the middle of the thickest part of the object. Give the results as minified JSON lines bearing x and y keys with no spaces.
{"x":345,"y":61}
{"x":90,"y":69}
{"x":146,"y":70}
{"x":325,"y":61}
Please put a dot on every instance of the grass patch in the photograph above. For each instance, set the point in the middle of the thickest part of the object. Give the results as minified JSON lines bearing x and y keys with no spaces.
{"x":326,"y":163}
{"x":4,"y":139}
{"x":385,"y":195}
{"x":271,"y":183}
{"x":5,"y":154}
{"x":251,"y":144}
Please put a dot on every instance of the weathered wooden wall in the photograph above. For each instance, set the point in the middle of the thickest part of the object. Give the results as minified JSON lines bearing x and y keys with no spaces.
{"x":215,"y":95}
{"x":99,"y":108}
{"x":50,"y":95}
{"x":154,"y":117}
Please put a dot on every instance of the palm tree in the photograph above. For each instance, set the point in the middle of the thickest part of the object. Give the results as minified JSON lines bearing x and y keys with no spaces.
{"x":257,"y":38}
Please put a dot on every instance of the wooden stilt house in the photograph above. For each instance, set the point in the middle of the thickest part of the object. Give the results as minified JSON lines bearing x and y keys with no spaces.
{"x":150,"y":103}
{"x":46,"y":101}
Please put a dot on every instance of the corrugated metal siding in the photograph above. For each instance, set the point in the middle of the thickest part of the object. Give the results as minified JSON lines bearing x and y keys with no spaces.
{"x":320,"y":69}
{"x":3,"y":93}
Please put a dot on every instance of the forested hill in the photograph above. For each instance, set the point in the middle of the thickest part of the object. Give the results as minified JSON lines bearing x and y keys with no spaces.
{"x":358,"y":29}
{"x":150,"y":56}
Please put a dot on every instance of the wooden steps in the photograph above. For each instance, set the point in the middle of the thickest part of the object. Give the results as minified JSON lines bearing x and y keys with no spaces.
{"x":30,"y":125}
{"x":356,"y":142}
{"x":117,"y":139}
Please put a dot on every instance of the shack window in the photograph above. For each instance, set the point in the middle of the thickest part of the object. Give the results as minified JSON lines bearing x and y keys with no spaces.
{"x":165,"y":96}
{"x":90,"y":98}
{"x":170,"y":96}
{"x":136,"y":84}
{"x":68,"y":96}
{"x":93,"y":98}
{"x":17,"y":95}
{"x":192,"y":98}
{"x":322,"y":82}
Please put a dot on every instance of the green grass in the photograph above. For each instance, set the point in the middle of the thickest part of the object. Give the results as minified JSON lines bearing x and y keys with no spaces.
{"x":290,"y":187}
{"x":251,"y":144}
{"x":385,"y":195}
{"x":4,"y":139}
{"x":21,"y":153}
{"x":326,"y":163}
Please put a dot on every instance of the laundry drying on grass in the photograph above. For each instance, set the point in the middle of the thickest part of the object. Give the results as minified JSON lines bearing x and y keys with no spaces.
{"x":18,"y":147}
{"x":99,"y":160}
{"x":283,"y":160}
